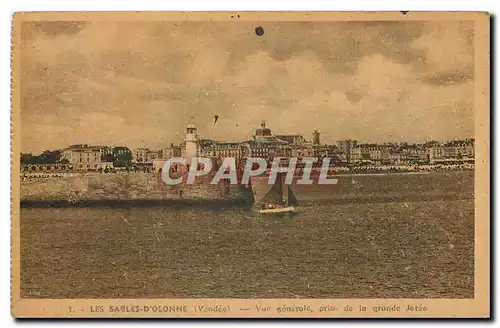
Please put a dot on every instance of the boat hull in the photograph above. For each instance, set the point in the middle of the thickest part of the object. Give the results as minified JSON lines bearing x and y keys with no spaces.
{"x":288,"y":209}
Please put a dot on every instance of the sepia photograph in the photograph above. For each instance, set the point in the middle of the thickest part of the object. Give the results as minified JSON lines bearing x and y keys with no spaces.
{"x":250,"y":164}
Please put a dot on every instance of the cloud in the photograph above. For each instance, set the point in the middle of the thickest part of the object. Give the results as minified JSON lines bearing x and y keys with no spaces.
{"x":379,"y":77}
{"x":140,"y":83}
{"x":449,"y":51}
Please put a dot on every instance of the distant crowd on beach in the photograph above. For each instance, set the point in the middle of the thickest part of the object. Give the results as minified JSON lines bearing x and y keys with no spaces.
{"x":31,"y":176}
{"x":334,"y":170}
{"x":38,"y":176}
{"x":401,"y":168}
{"x":389,"y":169}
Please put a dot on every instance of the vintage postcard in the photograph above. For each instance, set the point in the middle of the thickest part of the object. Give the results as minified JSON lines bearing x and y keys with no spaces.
{"x":250,"y":165}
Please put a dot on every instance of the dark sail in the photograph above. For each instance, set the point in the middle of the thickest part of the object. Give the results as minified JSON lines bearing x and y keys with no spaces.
{"x":252,"y":196}
{"x":275,"y":194}
{"x":291,"y":197}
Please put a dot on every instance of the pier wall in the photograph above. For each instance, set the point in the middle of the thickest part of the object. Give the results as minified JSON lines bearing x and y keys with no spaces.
{"x":126,"y":187}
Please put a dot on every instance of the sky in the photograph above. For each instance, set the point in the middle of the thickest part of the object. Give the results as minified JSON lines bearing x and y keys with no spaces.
{"x":139,"y":84}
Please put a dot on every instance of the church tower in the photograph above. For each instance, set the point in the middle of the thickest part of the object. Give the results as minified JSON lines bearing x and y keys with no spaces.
{"x":315,"y":137}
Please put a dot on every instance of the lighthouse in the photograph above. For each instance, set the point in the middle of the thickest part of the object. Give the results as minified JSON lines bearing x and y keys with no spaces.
{"x":191,"y":142}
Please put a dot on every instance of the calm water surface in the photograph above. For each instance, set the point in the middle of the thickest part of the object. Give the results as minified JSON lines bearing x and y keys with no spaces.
{"x":396,"y":236}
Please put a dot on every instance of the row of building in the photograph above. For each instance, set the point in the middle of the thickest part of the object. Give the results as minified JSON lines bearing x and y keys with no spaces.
{"x":454,"y":152}
{"x":264,"y":144}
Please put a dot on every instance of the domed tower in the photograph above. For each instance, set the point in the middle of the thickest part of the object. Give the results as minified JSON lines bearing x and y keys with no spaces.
{"x":262,"y":133}
{"x":191,"y":142}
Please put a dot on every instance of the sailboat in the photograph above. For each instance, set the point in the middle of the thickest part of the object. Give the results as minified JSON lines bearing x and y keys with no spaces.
{"x":280,"y":198}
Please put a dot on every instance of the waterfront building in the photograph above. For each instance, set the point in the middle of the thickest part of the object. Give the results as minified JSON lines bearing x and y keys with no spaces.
{"x":266,"y":145}
{"x":321,"y":151}
{"x":122,"y":156}
{"x":139,"y":155}
{"x":152,"y":155}
{"x":452,"y":152}
{"x":261,"y":149}
{"x":293,"y":139}
{"x":357,"y":155}
{"x":83,"y":157}
{"x":263,"y":145}
{"x":408,"y":156}
{"x":211,"y":148}
{"x":171,"y":151}
{"x":346,"y":147}
{"x":396,"y":158}
{"x":264,"y":135}
{"x":371,"y":153}
{"x":303,"y":151}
